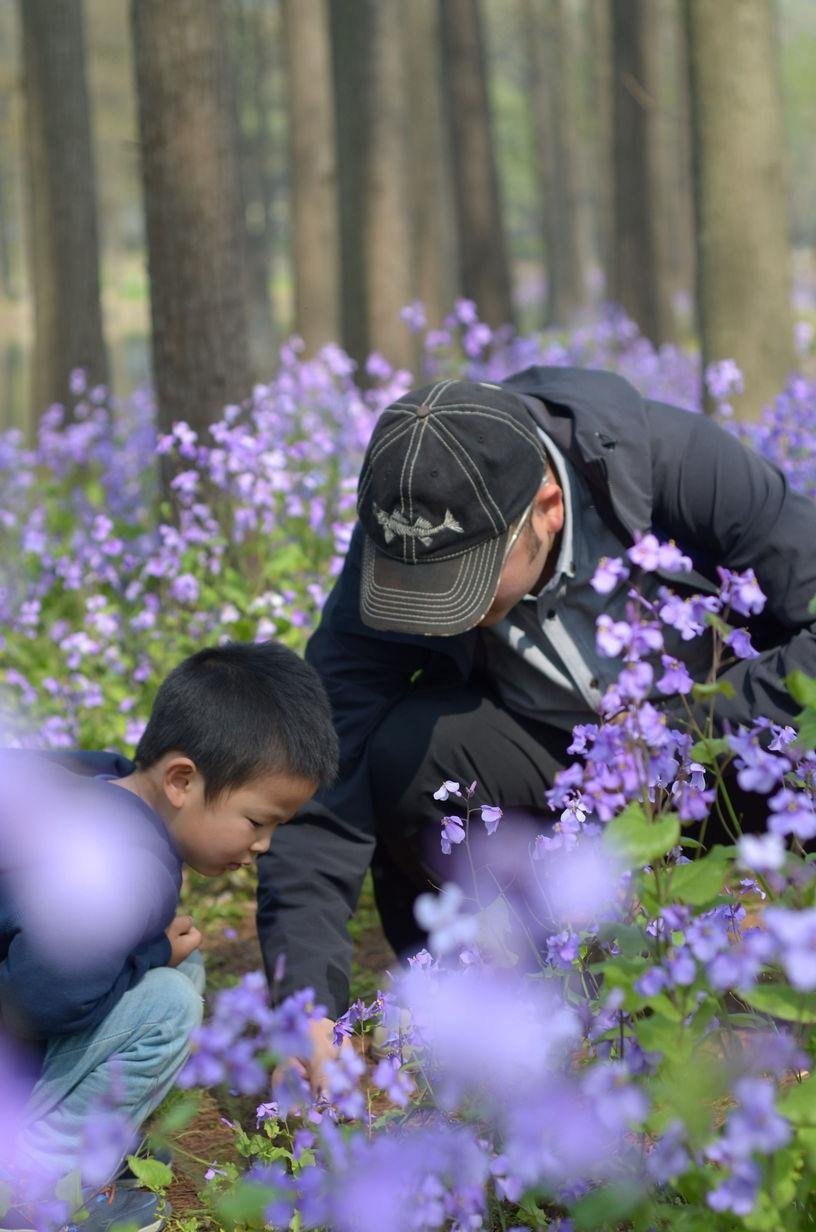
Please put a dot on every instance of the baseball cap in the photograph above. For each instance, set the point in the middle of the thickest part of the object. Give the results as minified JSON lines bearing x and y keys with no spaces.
{"x":448,"y":469}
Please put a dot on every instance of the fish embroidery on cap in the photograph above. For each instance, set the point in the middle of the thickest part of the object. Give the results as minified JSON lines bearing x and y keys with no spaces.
{"x":397,"y":523}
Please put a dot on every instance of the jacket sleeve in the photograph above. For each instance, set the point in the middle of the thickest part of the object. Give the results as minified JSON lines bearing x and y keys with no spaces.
{"x":310,"y":879}
{"x":721,"y":499}
{"x":40,"y":999}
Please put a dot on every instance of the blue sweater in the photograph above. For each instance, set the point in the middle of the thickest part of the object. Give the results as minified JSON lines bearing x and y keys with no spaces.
{"x":40,"y":995}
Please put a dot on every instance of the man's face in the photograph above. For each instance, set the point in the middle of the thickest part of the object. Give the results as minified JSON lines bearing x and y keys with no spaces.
{"x":234,"y":829}
{"x":531,"y":558}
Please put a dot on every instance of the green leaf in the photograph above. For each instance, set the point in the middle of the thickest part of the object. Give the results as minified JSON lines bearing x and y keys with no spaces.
{"x":5,"y":1197}
{"x":656,"y":1033}
{"x":798,"y":1103}
{"x":69,"y":1189}
{"x":636,"y":841}
{"x":246,"y":1204}
{"x":697,"y":883}
{"x":152,"y":1173}
{"x":716,"y":688}
{"x":177,"y":1117}
{"x":802,"y":689}
{"x":812,"y":606}
{"x":611,"y":1205}
{"x":707,"y":751}
{"x":806,"y":726}
{"x":781,"y":1001}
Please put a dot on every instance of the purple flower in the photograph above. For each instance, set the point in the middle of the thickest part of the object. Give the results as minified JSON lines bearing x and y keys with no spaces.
{"x":757,"y":769}
{"x":687,"y":616}
{"x":491,"y":816}
{"x":681,"y":967}
{"x":391,"y":1078}
{"x":738,"y":1192}
{"x":724,"y":378}
{"x":762,"y":853}
{"x":675,"y":678}
{"x":609,"y":573}
{"x":453,"y":832}
{"x":645,"y":552}
{"x":669,"y":1158}
{"x":440,"y":915}
{"x":792,"y":812}
{"x":447,"y":789}
{"x":740,"y":642}
{"x":741,"y":591}
{"x":612,"y":636}
{"x":184,"y":588}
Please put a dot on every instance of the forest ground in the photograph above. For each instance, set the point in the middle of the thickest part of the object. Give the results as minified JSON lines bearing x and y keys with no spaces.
{"x":225,"y":913}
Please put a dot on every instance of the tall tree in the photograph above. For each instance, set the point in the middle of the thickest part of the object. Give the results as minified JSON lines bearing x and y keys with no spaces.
{"x":368,"y":44}
{"x":743,"y":253}
{"x":675,"y":201}
{"x":602,"y":110}
{"x":351,"y":50}
{"x":387,"y":237}
{"x":484,"y":265}
{"x":193,"y":208}
{"x":255,"y":38}
{"x":430,"y":178}
{"x":552,"y":72}
{"x":63,"y":234}
{"x":313,"y":177}
{"x":639,"y":276}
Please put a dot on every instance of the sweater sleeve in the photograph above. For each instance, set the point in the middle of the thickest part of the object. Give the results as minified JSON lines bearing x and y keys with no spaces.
{"x":40,"y":1000}
{"x":310,"y":879}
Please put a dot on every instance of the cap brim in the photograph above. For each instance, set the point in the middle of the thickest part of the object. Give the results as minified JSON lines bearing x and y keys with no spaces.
{"x":437,"y":599}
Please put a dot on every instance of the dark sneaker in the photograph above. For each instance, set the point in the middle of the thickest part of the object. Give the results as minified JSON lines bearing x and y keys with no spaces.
{"x":136,"y":1209}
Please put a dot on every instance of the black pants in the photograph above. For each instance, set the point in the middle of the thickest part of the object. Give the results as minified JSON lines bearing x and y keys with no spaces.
{"x":461,"y":735}
{"x":464,"y":735}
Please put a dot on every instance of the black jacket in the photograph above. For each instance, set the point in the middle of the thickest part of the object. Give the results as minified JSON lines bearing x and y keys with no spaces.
{"x":649,"y":466}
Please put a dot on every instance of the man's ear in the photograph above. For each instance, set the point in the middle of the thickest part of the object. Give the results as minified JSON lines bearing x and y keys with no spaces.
{"x":177,"y":779}
{"x":548,"y":508}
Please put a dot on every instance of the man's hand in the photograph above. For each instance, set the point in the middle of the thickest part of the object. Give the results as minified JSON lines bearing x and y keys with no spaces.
{"x":184,"y":937}
{"x":313,"y":1068}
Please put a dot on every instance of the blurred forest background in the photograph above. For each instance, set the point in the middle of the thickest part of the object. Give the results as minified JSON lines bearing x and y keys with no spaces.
{"x":184,"y":183}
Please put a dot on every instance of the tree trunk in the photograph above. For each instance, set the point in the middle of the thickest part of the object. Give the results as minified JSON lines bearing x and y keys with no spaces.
{"x":255,"y":35}
{"x":484,"y":267}
{"x":743,"y":253}
{"x":193,"y":209}
{"x":351,"y":50}
{"x":431,"y":182}
{"x":555,"y":129}
{"x":315,"y":238}
{"x":387,"y":235}
{"x":602,"y":110}
{"x":675,"y":205}
{"x":639,"y":281}
{"x":368,"y":48}
{"x":63,"y":236}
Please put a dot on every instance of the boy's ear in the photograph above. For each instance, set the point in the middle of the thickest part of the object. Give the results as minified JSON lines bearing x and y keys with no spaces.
{"x":177,"y":779}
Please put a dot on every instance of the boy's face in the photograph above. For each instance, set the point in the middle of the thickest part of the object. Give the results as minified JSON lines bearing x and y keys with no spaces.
{"x":236,"y":827}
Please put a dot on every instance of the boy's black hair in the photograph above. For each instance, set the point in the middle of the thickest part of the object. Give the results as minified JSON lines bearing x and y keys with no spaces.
{"x":242,"y":710}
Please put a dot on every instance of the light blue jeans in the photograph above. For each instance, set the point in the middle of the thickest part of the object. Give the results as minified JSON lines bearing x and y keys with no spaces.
{"x":126,"y":1065}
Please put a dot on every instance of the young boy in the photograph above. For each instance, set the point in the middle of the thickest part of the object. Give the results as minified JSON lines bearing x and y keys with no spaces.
{"x":98,"y":975}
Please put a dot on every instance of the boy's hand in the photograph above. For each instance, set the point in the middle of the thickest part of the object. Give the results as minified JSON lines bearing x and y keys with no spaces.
{"x":184,"y":937}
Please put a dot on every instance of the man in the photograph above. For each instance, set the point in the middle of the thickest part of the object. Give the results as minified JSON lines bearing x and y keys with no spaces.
{"x":459,"y":640}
